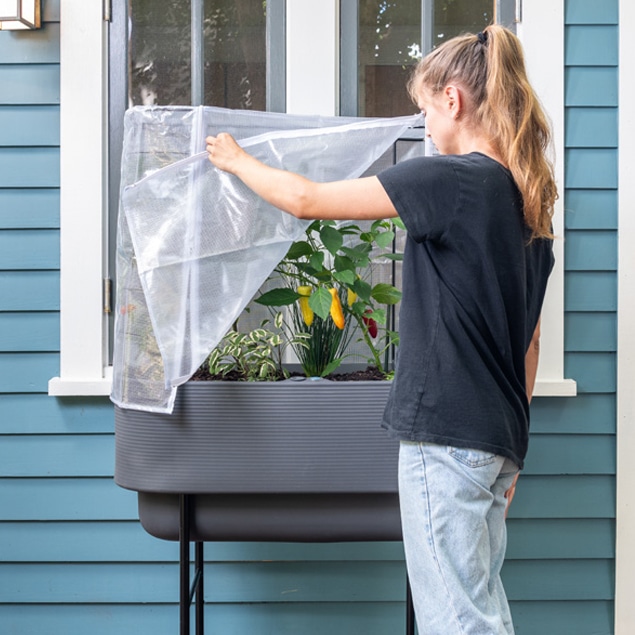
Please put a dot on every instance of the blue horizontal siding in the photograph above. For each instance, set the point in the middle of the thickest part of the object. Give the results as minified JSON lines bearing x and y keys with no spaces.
{"x":29,"y":126}
{"x":591,"y":209}
{"x":592,"y":250}
{"x":584,"y":414}
{"x":42,"y":499}
{"x":557,"y":538}
{"x":590,"y":332}
{"x":584,"y":497}
{"x":126,"y":541}
{"x":40,"y":414}
{"x":29,"y":208}
{"x":591,"y":45}
{"x":591,"y":86}
{"x":590,"y":291}
{"x":27,"y":372}
{"x":30,"y":84}
{"x":286,"y":582}
{"x":591,"y":128}
{"x":571,"y":454}
{"x":29,"y":167}
{"x":593,"y":372}
{"x":591,"y":168}
{"x":80,"y":498}
{"x":591,"y":12}
{"x":530,"y":618}
{"x":35,"y":47}
{"x":29,"y":249}
{"x":29,"y":332}
{"x":29,"y":290}
{"x":57,"y":455}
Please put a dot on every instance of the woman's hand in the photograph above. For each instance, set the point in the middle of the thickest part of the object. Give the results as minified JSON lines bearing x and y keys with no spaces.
{"x":224,"y":152}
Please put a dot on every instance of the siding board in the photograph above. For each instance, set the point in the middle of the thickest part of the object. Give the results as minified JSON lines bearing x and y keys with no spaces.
{"x":44,"y":499}
{"x":591,"y":168}
{"x":41,"y":46}
{"x":591,"y":12}
{"x":30,"y":84}
{"x":57,"y":455}
{"x":591,"y":86}
{"x":29,"y":126}
{"x":29,"y":249}
{"x":29,"y":167}
{"x":591,"y":128}
{"x":587,"y":414}
{"x":590,"y":332}
{"x":29,"y":290}
{"x":29,"y":332}
{"x":591,"y":250}
{"x":591,"y":209}
{"x":126,"y":541}
{"x":591,"y":45}
{"x":594,"y":372}
{"x":357,"y":618}
{"x":590,"y":291}
{"x":287,"y":582}
{"x":41,"y":414}
{"x":30,"y":209}
{"x":27,"y":372}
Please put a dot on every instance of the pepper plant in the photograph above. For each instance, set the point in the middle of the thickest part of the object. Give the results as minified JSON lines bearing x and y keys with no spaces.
{"x":324,"y":282}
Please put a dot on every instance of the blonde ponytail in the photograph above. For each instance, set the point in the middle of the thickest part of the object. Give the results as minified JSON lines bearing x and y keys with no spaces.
{"x":490,"y":68}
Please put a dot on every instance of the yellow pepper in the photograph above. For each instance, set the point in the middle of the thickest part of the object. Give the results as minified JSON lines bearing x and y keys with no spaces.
{"x":307,"y":311}
{"x":336,"y":309}
{"x":351,"y":297}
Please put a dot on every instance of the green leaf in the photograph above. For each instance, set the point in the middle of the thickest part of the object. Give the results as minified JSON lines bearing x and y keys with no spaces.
{"x":384,"y":239}
{"x":320,"y":302}
{"x":343,"y":263}
{"x":397,"y":222}
{"x":331,"y":366}
{"x":362,"y":289}
{"x":331,"y":238}
{"x":299,"y":249}
{"x":386,"y":293}
{"x":368,"y":237}
{"x":397,"y":256}
{"x":345,"y":277}
{"x":317,"y":260}
{"x":278,"y":297}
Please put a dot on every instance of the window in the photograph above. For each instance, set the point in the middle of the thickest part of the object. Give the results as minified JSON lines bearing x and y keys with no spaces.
{"x":303,"y":64}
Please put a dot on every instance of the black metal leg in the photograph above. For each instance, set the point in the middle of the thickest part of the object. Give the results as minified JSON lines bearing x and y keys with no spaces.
{"x":200,"y":598}
{"x":410,"y":610}
{"x":184,"y":564}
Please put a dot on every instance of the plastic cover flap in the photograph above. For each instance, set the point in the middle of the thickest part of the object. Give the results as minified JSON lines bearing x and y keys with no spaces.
{"x":195,"y":244}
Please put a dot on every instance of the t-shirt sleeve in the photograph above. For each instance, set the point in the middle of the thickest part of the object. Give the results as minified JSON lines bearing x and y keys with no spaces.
{"x":425,"y":192}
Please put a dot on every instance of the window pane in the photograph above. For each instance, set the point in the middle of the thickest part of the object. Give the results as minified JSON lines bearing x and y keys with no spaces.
{"x":390,"y":40}
{"x":453,"y":17}
{"x":234,"y":53}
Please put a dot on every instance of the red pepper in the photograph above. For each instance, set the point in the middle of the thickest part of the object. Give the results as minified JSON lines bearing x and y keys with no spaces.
{"x":371,"y":325}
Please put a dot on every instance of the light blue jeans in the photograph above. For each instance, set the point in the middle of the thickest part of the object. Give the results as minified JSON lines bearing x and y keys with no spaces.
{"x":453,"y":521}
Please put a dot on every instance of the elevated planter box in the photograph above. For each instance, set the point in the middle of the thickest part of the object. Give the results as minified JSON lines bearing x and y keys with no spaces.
{"x":295,"y":460}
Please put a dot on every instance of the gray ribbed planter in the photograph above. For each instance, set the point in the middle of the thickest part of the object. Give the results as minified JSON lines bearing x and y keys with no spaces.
{"x":294,"y":460}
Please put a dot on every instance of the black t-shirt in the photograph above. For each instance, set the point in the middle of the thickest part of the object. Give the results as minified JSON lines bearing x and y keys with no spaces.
{"x":473,"y":287}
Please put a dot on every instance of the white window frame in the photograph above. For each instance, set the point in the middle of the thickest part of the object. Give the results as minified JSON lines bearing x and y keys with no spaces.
{"x":625,"y":520}
{"x":312,"y":36}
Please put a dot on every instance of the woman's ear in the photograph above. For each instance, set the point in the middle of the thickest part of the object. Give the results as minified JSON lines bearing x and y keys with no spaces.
{"x":454,"y":100}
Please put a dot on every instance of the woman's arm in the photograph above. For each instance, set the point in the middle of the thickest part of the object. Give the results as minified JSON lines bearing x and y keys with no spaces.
{"x":354,"y":199}
{"x":531,"y":370}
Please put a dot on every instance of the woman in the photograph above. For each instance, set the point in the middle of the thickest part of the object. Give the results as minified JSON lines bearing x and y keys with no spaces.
{"x":475,"y":269}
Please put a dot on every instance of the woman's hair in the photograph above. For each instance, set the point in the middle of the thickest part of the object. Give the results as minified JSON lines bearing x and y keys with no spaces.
{"x":490,"y":69}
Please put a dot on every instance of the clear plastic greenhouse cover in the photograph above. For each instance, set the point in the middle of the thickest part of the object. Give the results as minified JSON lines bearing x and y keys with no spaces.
{"x":194,"y":244}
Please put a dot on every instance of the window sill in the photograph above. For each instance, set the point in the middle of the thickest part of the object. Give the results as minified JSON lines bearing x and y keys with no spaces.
{"x":59,"y":387}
